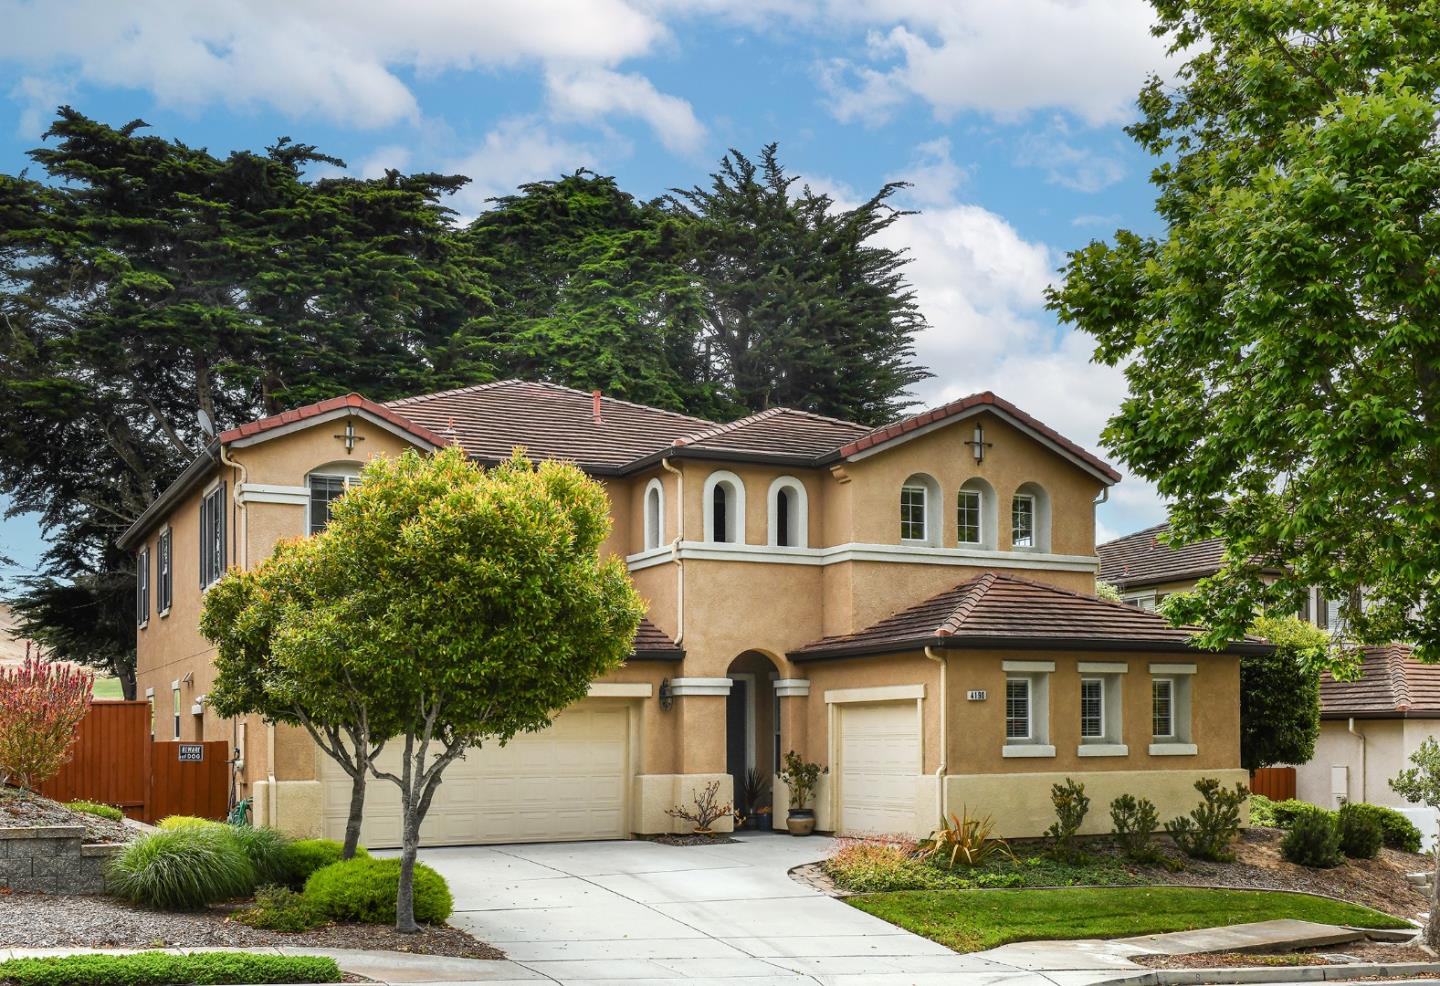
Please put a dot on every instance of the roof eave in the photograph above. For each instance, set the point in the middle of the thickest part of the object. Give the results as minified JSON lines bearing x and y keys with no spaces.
{"x":668,"y":656}
{"x":653,"y":459}
{"x":189,"y":477}
{"x":1002,"y":642}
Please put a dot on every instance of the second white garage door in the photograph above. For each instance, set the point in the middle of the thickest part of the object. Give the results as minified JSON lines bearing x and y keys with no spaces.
{"x":879,"y":767}
{"x":566,"y":783}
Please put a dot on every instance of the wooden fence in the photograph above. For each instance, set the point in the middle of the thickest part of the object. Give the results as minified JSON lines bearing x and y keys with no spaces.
{"x":111,"y":760}
{"x":1275,"y":783}
{"x":115,"y":762}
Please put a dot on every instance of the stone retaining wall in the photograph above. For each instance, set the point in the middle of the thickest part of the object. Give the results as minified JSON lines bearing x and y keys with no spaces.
{"x":53,"y":859}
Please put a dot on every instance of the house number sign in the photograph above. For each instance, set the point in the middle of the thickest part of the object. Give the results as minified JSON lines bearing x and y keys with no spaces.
{"x":192,"y":752}
{"x":976,"y":695}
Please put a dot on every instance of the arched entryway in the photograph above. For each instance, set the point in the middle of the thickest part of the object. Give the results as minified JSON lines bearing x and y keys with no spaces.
{"x":753,"y":743}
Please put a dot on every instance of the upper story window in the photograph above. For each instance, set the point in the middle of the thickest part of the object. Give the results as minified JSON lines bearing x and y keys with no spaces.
{"x":724,"y":508}
{"x":212,"y":536}
{"x":654,"y":514}
{"x":975,"y":514}
{"x":789,"y":513}
{"x":919,"y":510}
{"x":164,"y":572}
{"x":327,"y":485}
{"x":1030,"y":518}
{"x":1092,"y":708}
{"x":142,"y":587}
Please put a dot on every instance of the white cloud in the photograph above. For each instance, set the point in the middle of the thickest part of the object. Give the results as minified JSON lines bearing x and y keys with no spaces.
{"x":1110,"y":219}
{"x":1088,"y":57}
{"x":934,"y":175}
{"x":519,"y":150}
{"x":38,"y":96}
{"x":596,"y":93}
{"x":1080,"y":169}
{"x":305,"y":57}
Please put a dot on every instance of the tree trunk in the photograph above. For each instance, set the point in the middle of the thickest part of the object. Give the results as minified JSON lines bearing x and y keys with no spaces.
{"x":357,"y":812}
{"x":126,"y":674}
{"x":1432,"y":923}
{"x":405,"y":894}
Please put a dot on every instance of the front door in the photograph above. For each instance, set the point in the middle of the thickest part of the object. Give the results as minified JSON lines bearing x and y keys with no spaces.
{"x":737,"y":746}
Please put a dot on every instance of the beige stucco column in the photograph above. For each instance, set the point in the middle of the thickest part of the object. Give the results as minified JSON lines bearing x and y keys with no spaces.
{"x":699,"y":711}
{"x":794,"y":694}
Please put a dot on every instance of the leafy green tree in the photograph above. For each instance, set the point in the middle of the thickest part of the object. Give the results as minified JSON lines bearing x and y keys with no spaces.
{"x":315,"y":689}
{"x":1420,"y":783}
{"x":461,"y":607}
{"x":797,"y":305}
{"x":1280,"y":334}
{"x":1280,"y":694}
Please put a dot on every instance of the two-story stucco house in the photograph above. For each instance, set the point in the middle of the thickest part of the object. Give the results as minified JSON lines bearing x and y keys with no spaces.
{"x":910,"y":605}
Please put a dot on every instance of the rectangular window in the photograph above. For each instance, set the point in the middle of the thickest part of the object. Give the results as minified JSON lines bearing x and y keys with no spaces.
{"x":1092,"y":708}
{"x":164,"y":576}
{"x":142,"y":587}
{"x":968,"y":517}
{"x":150,"y":701}
{"x":1017,"y":708}
{"x":912,"y":513}
{"x":212,"y":536}
{"x":175,"y":700}
{"x":324,"y":490}
{"x":1022,"y":521}
{"x":1163,"y":708}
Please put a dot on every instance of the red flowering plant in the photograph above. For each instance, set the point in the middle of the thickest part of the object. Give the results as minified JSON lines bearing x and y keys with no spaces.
{"x":41,"y":706}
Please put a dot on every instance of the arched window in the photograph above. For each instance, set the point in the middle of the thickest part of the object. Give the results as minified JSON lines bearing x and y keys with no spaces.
{"x":654,"y":514}
{"x":975,"y":515}
{"x":789,"y":513}
{"x":1030,"y":518}
{"x":724,"y":508}
{"x":920,"y":510}
{"x":327,"y":484}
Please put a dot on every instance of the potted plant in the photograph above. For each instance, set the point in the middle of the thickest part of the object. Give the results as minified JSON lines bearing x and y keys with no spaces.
{"x":801,"y":777}
{"x":754,"y":790}
{"x":707,"y":810}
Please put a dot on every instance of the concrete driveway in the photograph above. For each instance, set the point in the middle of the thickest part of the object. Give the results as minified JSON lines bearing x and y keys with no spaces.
{"x":596,"y":912}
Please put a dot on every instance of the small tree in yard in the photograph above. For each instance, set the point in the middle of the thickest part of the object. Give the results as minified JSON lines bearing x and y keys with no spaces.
{"x":1421,"y":785}
{"x":465,"y":606}
{"x":41,"y":707}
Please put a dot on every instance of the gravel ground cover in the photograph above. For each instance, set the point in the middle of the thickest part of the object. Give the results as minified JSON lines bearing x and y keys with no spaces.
{"x":1368,"y":952}
{"x":20,"y":810}
{"x":50,"y":921}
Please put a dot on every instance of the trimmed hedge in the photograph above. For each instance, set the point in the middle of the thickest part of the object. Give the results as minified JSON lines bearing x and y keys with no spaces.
{"x":364,"y":890}
{"x":97,"y":809}
{"x":163,"y":969}
{"x":1360,"y":835}
{"x":304,"y":856}
{"x":1397,"y":831}
{"x":182,"y":869}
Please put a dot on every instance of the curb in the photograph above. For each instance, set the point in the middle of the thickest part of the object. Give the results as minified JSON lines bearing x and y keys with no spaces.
{"x":1274,"y":974}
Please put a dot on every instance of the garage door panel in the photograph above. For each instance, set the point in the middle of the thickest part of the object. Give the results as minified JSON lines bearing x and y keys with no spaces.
{"x":879,"y":752}
{"x":565,"y":783}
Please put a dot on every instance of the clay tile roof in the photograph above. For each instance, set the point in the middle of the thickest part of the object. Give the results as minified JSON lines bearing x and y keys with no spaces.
{"x":966,"y":405}
{"x":1140,"y":559}
{"x":1392,"y":683}
{"x":654,"y":644}
{"x":549,"y":421}
{"x":778,"y":431}
{"x":995,"y":610}
{"x":355,"y":401}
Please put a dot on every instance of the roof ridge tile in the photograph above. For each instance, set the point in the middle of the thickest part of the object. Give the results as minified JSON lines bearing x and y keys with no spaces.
{"x":978,"y":588}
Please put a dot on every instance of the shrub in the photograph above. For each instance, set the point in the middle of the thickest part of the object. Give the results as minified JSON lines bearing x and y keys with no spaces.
{"x":876,"y":867}
{"x":1286,"y":813}
{"x":1071,"y":807}
{"x":95,"y":808}
{"x":1313,"y":841}
{"x":304,"y":856}
{"x":1359,"y":831}
{"x":41,"y":706}
{"x":1206,"y":833}
{"x":281,"y":909}
{"x":1397,"y":831}
{"x":181,"y":869}
{"x":365,"y":889}
{"x":162,"y":969}
{"x":265,"y":848}
{"x":1262,"y":812}
{"x":965,"y":840}
{"x":707,"y":810}
{"x":1135,"y":821}
{"x":172,"y":822}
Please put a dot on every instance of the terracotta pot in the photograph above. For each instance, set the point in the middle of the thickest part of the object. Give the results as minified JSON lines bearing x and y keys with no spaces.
{"x":700,"y":831}
{"x":800,"y":821}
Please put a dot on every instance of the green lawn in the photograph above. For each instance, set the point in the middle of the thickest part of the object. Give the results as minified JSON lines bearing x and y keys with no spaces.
{"x":106,"y":688}
{"x":971,"y":920}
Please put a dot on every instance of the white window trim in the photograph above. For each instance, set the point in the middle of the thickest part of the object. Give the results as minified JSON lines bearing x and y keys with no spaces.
{"x":175,"y":708}
{"x":1034,"y":522}
{"x":1103,"y":750}
{"x":215,"y":486}
{"x":142,"y":588}
{"x":924,"y":491}
{"x":347,"y":472}
{"x":166,"y":532}
{"x":1162,"y":738}
{"x":1173,"y":749}
{"x":801,"y":507}
{"x":708,"y":507}
{"x":653,"y":485}
{"x":1013,"y":750}
{"x":1029,"y":711}
{"x":980,"y":531}
{"x":1099,"y":737}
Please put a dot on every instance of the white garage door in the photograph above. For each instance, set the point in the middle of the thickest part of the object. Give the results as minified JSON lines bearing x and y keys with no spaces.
{"x":566,"y":783}
{"x":879,"y":767}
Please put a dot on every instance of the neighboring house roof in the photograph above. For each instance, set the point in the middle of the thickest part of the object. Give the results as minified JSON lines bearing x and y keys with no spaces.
{"x":1392,"y":684}
{"x":654,"y":644}
{"x":1140,"y":559}
{"x":1000,"y":611}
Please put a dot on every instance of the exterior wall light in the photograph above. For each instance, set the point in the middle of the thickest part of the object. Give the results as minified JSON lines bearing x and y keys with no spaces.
{"x":977,"y":443}
{"x":666,"y":698}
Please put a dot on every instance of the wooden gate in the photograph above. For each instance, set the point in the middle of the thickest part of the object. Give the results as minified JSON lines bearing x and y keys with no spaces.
{"x":190,"y":779}
{"x":110,"y":761}
{"x":1275,"y":783}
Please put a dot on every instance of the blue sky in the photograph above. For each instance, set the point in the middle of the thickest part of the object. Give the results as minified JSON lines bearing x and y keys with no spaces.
{"x":1006,"y":117}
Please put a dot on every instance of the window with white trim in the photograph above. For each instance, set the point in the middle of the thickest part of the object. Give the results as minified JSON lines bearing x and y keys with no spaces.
{"x":175,"y":702}
{"x":1162,"y":708}
{"x":968,"y":525}
{"x":1092,"y":708}
{"x":164,"y":572}
{"x":324,"y":491}
{"x":142,"y":587}
{"x":654,"y":514}
{"x":724,"y":508}
{"x":212,"y":536}
{"x":1018,"y":721}
{"x":1022,"y":520}
{"x":912,"y":513}
{"x":1170,"y":709}
{"x":150,"y":702}
{"x":788,"y":513}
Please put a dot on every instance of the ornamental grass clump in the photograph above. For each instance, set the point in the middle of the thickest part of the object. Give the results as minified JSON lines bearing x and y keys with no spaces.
{"x":265,"y":848}
{"x":964,"y":840}
{"x":181,"y":869}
